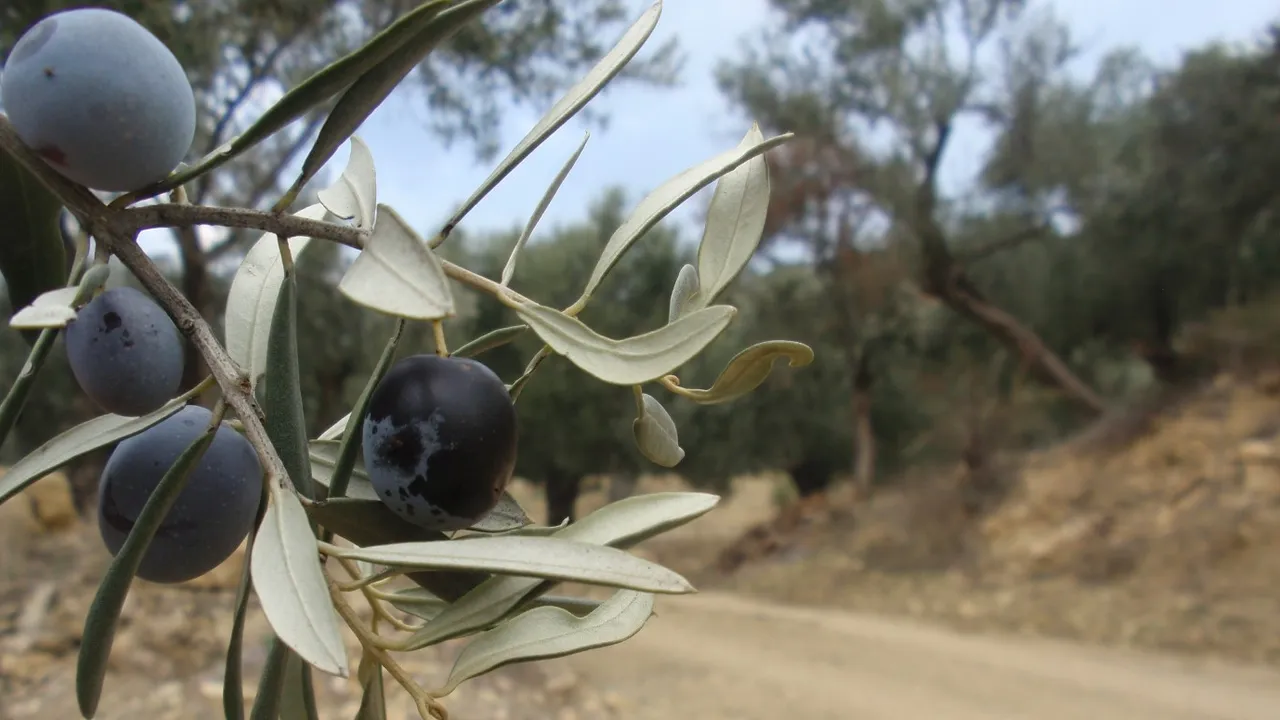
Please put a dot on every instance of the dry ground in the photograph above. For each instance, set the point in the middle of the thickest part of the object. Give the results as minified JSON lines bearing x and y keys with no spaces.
{"x":897,"y":608}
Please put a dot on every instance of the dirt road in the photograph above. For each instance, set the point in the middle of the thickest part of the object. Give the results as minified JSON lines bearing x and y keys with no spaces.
{"x":723,"y":657}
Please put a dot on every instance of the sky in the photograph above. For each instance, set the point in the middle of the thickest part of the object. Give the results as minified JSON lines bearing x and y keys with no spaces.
{"x":656,"y":133}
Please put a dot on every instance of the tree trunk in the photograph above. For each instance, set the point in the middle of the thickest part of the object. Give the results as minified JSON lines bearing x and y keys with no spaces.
{"x":562,"y":497}
{"x":864,"y":438}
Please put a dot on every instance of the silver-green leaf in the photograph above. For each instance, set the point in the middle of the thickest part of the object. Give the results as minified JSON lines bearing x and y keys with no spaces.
{"x":255,"y":290}
{"x":619,"y":524}
{"x":634,"y":360}
{"x":671,"y":194}
{"x":505,"y":516}
{"x":354,"y":197}
{"x":748,"y":369}
{"x":510,"y":269}
{"x":397,"y":274}
{"x":735,"y":221}
{"x":291,"y":586}
{"x":549,"y":632}
{"x":52,"y":309}
{"x":544,"y":557}
{"x":574,"y":99}
{"x":83,"y":438}
{"x":684,"y":294}
{"x":324,"y":458}
{"x":656,"y":434}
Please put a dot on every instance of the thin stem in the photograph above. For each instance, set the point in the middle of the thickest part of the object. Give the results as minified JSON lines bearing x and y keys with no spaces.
{"x":370,"y":596}
{"x":437,"y":330}
{"x":428,"y":706}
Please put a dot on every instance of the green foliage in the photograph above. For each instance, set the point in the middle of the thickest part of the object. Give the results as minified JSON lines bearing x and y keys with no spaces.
{"x":589,"y":361}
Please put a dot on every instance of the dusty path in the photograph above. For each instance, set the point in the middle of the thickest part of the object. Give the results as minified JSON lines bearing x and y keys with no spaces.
{"x":723,"y":657}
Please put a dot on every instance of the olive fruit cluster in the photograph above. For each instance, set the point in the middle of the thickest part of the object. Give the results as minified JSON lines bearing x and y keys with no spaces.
{"x":210,"y":517}
{"x":439,"y":440}
{"x":125,"y":352}
{"x":100,"y":98}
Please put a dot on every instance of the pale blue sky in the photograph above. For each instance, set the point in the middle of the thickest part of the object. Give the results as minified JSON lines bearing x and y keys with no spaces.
{"x":654,"y":134}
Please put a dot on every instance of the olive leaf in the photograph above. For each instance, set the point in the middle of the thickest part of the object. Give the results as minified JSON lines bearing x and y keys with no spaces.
{"x":374,"y":86}
{"x":490,"y":340}
{"x":344,"y":463}
{"x":747,"y":370}
{"x":313,"y":91}
{"x":735,"y":221}
{"x":285,"y":420}
{"x":669,"y":195}
{"x":684,"y":294}
{"x":397,"y":274}
{"x":79,"y":440}
{"x":52,"y":309}
{"x":355,"y":195}
{"x":373,"y":698}
{"x":618,"y":524}
{"x":251,"y":301}
{"x":544,"y":557}
{"x":270,"y":694}
{"x":367,"y":522}
{"x":32,"y":255}
{"x":104,"y":613}
{"x":232,"y":676}
{"x":298,"y":699}
{"x":634,"y":360}
{"x":324,"y":458}
{"x":573,"y":100}
{"x":510,"y":268}
{"x":291,"y":586}
{"x":549,"y":632}
{"x":656,"y":434}
{"x":505,"y":516}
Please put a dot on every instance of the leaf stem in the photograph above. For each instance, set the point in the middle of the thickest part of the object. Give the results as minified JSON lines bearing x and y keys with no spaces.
{"x":428,"y":706}
{"x":437,"y":331}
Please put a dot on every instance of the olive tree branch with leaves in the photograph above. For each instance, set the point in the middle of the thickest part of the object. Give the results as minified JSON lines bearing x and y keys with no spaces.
{"x":488,"y":580}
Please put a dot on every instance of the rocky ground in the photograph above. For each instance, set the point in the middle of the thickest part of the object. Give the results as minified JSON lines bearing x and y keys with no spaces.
{"x":1156,"y":532}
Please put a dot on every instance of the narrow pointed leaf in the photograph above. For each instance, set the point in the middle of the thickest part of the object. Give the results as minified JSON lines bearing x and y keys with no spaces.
{"x":374,"y":86}
{"x":345,"y":462}
{"x":683,"y":293}
{"x":735,"y":221}
{"x":104,"y":613}
{"x":291,"y":586}
{"x":232,"y":676}
{"x":656,"y":434}
{"x":671,"y":194}
{"x":52,"y":309}
{"x":544,"y":557}
{"x":544,"y":633}
{"x":285,"y":421}
{"x":298,"y":699}
{"x":355,"y":195}
{"x":634,"y":360}
{"x":369,"y":520}
{"x":324,"y":458}
{"x":506,"y":515}
{"x":490,"y":340}
{"x":373,"y":699}
{"x":270,"y":695}
{"x":620,"y":524}
{"x":308,"y":94}
{"x":574,"y":99}
{"x":15,"y":400}
{"x":748,"y":369}
{"x":335,"y":430}
{"x":510,"y":269}
{"x":79,"y":440}
{"x":255,"y":290}
{"x":397,"y":274}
